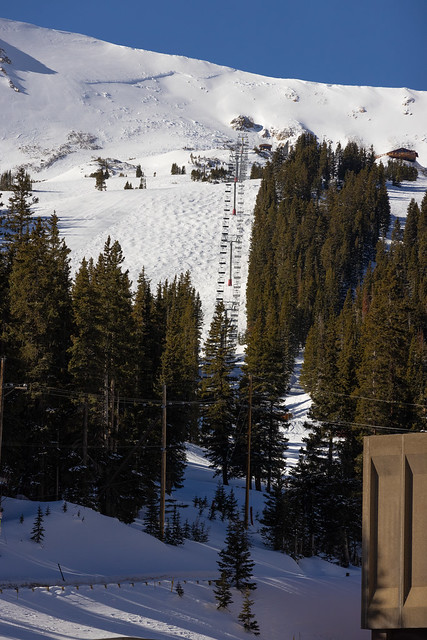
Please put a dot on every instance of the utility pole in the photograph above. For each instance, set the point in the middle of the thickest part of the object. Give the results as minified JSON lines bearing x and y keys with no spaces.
{"x":163,"y":468}
{"x":248,"y":464}
{"x":10,"y":388}
{"x":85,"y":428}
{"x":2,"y":367}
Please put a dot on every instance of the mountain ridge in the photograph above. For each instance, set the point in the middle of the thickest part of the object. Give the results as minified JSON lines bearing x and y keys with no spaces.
{"x":134,"y":101}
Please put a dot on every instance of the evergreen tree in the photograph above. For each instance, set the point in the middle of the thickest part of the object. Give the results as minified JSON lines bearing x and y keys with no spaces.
{"x":267,"y":363}
{"x":174,"y":534}
{"x":235,"y":559}
{"x":103,"y":363}
{"x":115,"y":298}
{"x":37,"y":532}
{"x":6,"y":180}
{"x":152,"y":514}
{"x":383,"y":394}
{"x":256,"y":171}
{"x":100,"y":184}
{"x":217,"y":389}
{"x":147,"y":364}
{"x":16,"y":222}
{"x":86,"y":367}
{"x":246,"y":617}
{"x":40,"y":305}
{"x":179,"y":369}
{"x":86,"y":356}
{"x":411,"y":246}
{"x":222,"y":592}
{"x":275,"y":519}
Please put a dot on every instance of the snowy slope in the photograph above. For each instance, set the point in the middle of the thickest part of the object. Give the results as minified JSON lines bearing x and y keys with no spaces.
{"x":139,"y":103}
{"x":120,"y":581}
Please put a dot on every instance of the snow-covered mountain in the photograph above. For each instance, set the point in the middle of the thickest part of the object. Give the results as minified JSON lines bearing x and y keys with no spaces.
{"x":65,"y":90}
{"x":66,"y":99}
{"x":62,"y":89}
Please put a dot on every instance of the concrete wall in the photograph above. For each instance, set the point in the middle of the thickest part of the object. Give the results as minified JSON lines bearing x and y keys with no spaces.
{"x":394,"y":572}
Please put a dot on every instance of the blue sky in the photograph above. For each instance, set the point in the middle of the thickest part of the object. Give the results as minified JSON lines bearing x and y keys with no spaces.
{"x":365,"y":42}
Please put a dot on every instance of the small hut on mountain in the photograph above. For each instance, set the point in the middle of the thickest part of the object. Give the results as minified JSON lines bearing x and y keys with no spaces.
{"x":403,"y":154}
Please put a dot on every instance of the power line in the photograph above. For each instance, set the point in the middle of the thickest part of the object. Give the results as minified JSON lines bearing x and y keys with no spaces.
{"x":399,"y":402}
{"x":358,"y":425}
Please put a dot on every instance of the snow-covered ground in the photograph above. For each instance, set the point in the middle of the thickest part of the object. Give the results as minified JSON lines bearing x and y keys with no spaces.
{"x":172,"y":226}
{"x":118,"y":581}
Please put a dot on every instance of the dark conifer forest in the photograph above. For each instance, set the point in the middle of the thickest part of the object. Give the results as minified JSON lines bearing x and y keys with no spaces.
{"x":323,"y":277}
{"x":84,"y":364}
{"x":85,"y":359}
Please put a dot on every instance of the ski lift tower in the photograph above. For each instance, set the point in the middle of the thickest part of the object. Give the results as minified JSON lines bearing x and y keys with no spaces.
{"x":229,"y":271}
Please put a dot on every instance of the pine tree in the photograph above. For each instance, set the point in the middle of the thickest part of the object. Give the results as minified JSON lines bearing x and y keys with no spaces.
{"x":235,"y":559}
{"x":16,"y":222}
{"x":151,"y":517}
{"x":275,"y":518}
{"x":145,"y":338}
{"x":86,"y":355}
{"x":174,"y":533}
{"x":115,"y":299}
{"x":37,"y":532}
{"x":267,"y":363}
{"x":100,"y":184}
{"x":180,"y":369}
{"x":219,"y":502}
{"x":383,"y":394}
{"x":222,"y":592}
{"x":40,"y":305}
{"x":108,"y":335}
{"x":411,"y":246}
{"x":217,"y":389}
{"x":246,"y":617}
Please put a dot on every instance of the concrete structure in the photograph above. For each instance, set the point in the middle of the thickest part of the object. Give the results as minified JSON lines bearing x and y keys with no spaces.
{"x":394,"y":572}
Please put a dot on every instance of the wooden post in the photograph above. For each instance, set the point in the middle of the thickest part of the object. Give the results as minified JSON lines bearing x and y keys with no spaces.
{"x":248,"y":463}
{"x":163,"y":468}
